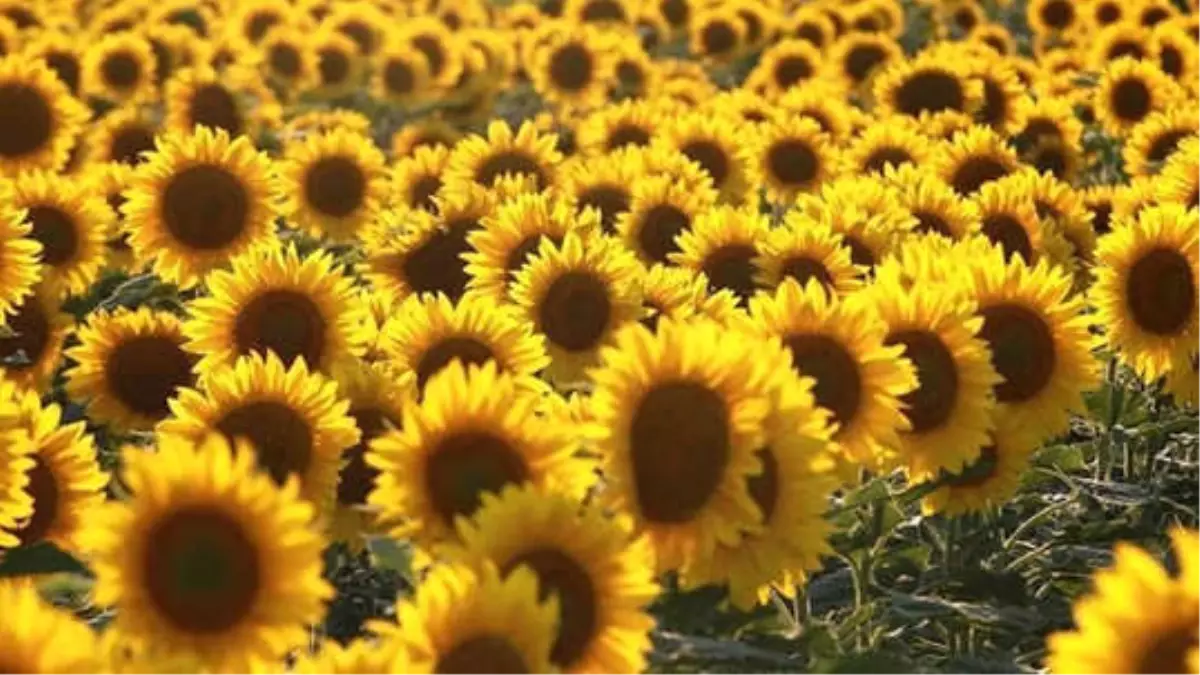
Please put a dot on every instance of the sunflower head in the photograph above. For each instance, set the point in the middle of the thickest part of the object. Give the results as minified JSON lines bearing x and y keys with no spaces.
{"x":331,"y":184}
{"x":35,"y":102}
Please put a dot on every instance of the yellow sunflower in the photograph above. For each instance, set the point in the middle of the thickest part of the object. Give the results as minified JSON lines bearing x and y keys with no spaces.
{"x":936,"y":206}
{"x":1145,"y":292}
{"x":233,"y":103}
{"x":679,"y":417}
{"x":339,"y":66}
{"x":128,"y":365}
{"x":803,"y":249}
{"x":511,"y":235}
{"x":927,"y":87}
{"x":716,"y":34}
{"x":572,"y":66}
{"x":20,"y":264}
{"x":69,"y":223}
{"x":600,"y":573}
{"x":973,"y":158}
{"x":578,"y":295}
{"x":660,"y":209}
{"x":1039,"y":342}
{"x":1139,"y":618}
{"x":413,"y":252}
{"x":788,"y":157}
{"x":250,"y":21}
{"x":120,"y":67}
{"x":712,"y":142}
{"x":1129,"y":91}
{"x":61,"y":52}
{"x":784,"y":65}
{"x":362,"y":655}
{"x":464,"y":620}
{"x":1158,"y":136}
{"x":839,"y":343}
{"x":987,"y":483}
{"x":41,"y":638}
{"x":603,"y":183}
{"x":331,"y":184}
{"x":1008,"y":218}
{"x":630,"y":122}
{"x":1183,"y":381}
{"x":16,"y":461}
{"x":40,"y":118}
{"x":274,"y":301}
{"x":435,"y":332}
{"x":123,"y":135}
{"x":893,"y":141}
{"x":1122,"y":40}
{"x":485,"y":160}
{"x":950,"y":411}
{"x":209,"y":560}
{"x":1179,"y":182}
{"x":199,"y":200}
{"x":855,"y":58}
{"x":65,"y":481}
{"x":401,"y":73}
{"x":288,"y":60}
{"x":866,"y":213}
{"x":37,"y":327}
{"x":474,"y":431}
{"x":442,"y":48}
{"x":294,"y":419}
{"x":417,"y":177}
{"x":723,"y":243}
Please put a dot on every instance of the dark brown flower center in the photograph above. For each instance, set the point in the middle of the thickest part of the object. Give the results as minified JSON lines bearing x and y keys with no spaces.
{"x":356,"y":479}
{"x":974,"y":172}
{"x":423,"y":189}
{"x":483,"y":654}
{"x":881,"y":157}
{"x":286,"y":322}
{"x":1058,"y":14}
{"x":929,"y":92}
{"x":932,"y":403}
{"x":791,"y":70}
{"x":214,"y":106}
{"x":121,"y":70}
{"x":30,"y":336}
{"x":571,"y":67}
{"x":26,"y":120}
{"x":838,"y":380}
{"x":398,"y":77}
{"x":1005,"y":231}
{"x":144,"y":372}
{"x":862,"y":59}
{"x":43,"y":489}
{"x":66,"y":66}
{"x":436,"y":265}
{"x":56,"y":231}
{"x":509,"y":163}
{"x":803,"y":268}
{"x":130,"y":142}
{"x":1130,"y":99}
{"x":711,"y":157}
{"x":576,"y":311}
{"x":1160,"y":292}
{"x":282,"y":439}
{"x":731,"y":267}
{"x":335,"y":186}
{"x":465,"y":466}
{"x":718,"y":38}
{"x":205,"y":207}
{"x":610,"y":200}
{"x":793,"y":162}
{"x":1023,"y":351}
{"x":679,"y":442}
{"x":284,"y":60}
{"x":467,"y":350}
{"x":333,"y":65}
{"x":560,"y":575}
{"x":628,"y":134}
{"x":661,"y":224}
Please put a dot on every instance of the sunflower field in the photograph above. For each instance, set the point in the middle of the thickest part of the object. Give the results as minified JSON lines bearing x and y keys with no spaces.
{"x":518,"y":336}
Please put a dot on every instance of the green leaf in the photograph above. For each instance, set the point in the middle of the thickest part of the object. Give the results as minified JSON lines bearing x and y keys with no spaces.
{"x":40,"y":558}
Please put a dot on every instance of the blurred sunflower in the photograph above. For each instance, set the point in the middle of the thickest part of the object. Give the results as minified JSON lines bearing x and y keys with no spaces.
{"x":220,"y":101}
{"x":672,"y":292}
{"x":65,"y":481}
{"x":120,"y":68}
{"x":927,"y":88}
{"x":464,"y":620}
{"x":363,"y":22}
{"x":893,"y":141}
{"x":251,"y":21}
{"x":711,"y":142}
{"x":1122,"y":40}
{"x":988,"y":482}
{"x":69,"y":223}
{"x":436,"y":332}
{"x":950,"y":411}
{"x":679,"y":417}
{"x":787,"y":157}
{"x":973,"y":158}
{"x":1008,"y":218}
{"x":1052,"y":17}
{"x":20,"y":254}
{"x":62,"y":54}
{"x":339,"y":65}
{"x":288,"y":60}
{"x":578,"y":295}
{"x":209,"y":560}
{"x":601,"y":574}
{"x":1179,"y":181}
{"x":16,"y":461}
{"x":937,"y":208}
{"x":293,"y":418}
{"x":804,"y":249}
{"x":417,"y":177}
{"x":723,"y":243}
{"x":785,"y":65}
{"x":362,"y":655}
{"x":856,"y":57}
{"x":1129,"y":91}
{"x":30,"y":352}
{"x":401,"y":73}
{"x":716,"y":34}
{"x":512,"y":234}
{"x":40,"y":118}
{"x":839,"y":343}
{"x":129,"y":364}
{"x":42,"y":638}
{"x":573,"y":67}
{"x":1176,"y":53}
{"x":424,"y":256}
{"x":1145,"y":292}
{"x":198,"y":200}
{"x":659,"y":211}
{"x":603,"y":183}
{"x":485,"y":160}
{"x":1098,"y":199}
{"x":331,"y":184}
{"x":1139,"y":618}
{"x":123,"y":135}
{"x":1183,"y":380}
{"x":618,"y":125}
{"x":1158,"y":136}
{"x":474,"y":431}
{"x":273,"y":301}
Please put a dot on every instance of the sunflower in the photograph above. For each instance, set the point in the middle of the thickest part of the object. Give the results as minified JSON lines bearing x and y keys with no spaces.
{"x":809,"y":23}
{"x":805,"y":249}
{"x":936,"y":206}
{"x":826,"y":105}
{"x":1145,"y":292}
{"x":572,"y":67}
{"x":616,"y":126}
{"x":209,"y":560}
{"x":723,"y":243}
{"x":251,"y":21}
{"x":174,"y":47}
{"x":1153,"y":12}
{"x":426,"y":256}
{"x":201,"y":96}
{"x":789,"y":156}
{"x":603,"y":184}
{"x":1139,"y":619}
{"x":927,"y":88}
{"x":199,"y":200}
{"x":1179,"y":182}
{"x":486,"y":160}
{"x":511,"y":235}
{"x":950,"y":411}
{"x":61,"y":53}
{"x":331,"y":184}
{"x":1063,"y":214}
{"x":363,"y":22}
{"x":987,"y":483}
{"x":960,"y":18}
{"x":712,"y":142}
{"x":466,"y":620}
{"x":784,"y":65}
{"x":288,"y":60}
{"x":1123,"y":40}
{"x":274,"y":301}
{"x":673,"y":292}
{"x":601,"y":575}
{"x":671,"y":164}
{"x":1183,"y":380}
{"x":42,"y":638}
{"x":128,"y":365}
{"x":474,"y":431}
{"x":1008,"y":218}
{"x":417,"y":177}
{"x":716,"y":34}
{"x":791,"y":492}
{"x":376,"y":394}
{"x":973,"y":158}
{"x":16,"y":462}
{"x":123,"y":135}
{"x":339,"y":65}
{"x":1002,"y":92}
{"x":1129,"y":91}
{"x":856,"y":57}
{"x":1158,"y":136}
{"x":1176,"y":53}
{"x":893,"y":141}
{"x":659,"y":211}
{"x":37,"y":327}
{"x":436,"y":332}
{"x":402,"y":73}
{"x":1103,"y":13}
{"x":578,"y":295}
{"x":65,"y":481}
{"x":1052,"y":17}
{"x":1098,"y":199}
{"x":293,"y":417}
{"x":687,"y":402}
{"x":864,"y":211}
{"x":20,"y":262}
{"x":1039,"y":342}
{"x":39,"y":117}
{"x":361,"y":655}
{"x":120,"y":67}
{"x":995,"y":36}
{"x":69,"y":223}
